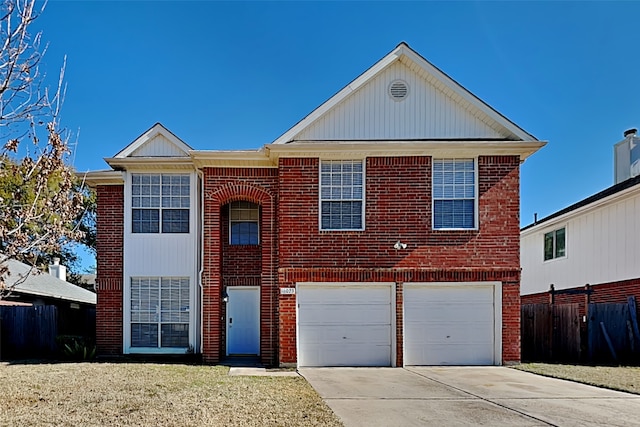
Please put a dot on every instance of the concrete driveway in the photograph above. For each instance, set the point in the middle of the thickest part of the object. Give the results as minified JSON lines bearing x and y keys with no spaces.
{"x":463,"y":396}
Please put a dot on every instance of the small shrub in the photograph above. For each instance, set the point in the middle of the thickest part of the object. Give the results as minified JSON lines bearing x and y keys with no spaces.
{"x":75,"y":347}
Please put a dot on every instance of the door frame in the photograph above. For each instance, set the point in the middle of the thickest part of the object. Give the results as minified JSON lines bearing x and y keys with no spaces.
{"x":228,"y":291}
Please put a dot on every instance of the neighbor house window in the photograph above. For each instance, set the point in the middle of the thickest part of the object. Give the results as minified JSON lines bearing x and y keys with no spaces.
{"x":160,"y":203}
{"x":341,"y":195}
{"x":454,"y":193}
{"x":159,"y":312}
{"x":244,"y":219}
{"x":555,"y":244}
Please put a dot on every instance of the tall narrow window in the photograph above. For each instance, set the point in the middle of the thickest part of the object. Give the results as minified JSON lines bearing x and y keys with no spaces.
{"x":244,"y":220}
{"x":555,"y":244}
{"x":341,"y":195}
{"x":159,"y":312}
{"x":454,"y":194}
{"x":160,"y":203}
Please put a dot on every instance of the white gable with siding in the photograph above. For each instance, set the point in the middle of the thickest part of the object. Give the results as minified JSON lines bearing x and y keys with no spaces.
{"x":157,"y":141}
{"x":435,"y":108}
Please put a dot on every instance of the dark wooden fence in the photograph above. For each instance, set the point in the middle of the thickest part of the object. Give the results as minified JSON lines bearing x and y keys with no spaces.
{"x":550,"y":333}
{"x":28,"y":332}
{"x":558,"y":333}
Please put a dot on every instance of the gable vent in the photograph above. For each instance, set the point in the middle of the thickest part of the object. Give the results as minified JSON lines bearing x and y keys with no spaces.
{"x":398,"y":90}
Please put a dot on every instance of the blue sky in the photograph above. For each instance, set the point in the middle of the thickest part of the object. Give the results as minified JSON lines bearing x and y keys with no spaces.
{"x":237,"y":75}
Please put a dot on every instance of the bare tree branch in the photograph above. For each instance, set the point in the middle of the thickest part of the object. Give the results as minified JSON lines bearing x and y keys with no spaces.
{"x":40,"y":200}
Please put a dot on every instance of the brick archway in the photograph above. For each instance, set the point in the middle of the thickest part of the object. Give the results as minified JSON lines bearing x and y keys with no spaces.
{"x":212,"y":280}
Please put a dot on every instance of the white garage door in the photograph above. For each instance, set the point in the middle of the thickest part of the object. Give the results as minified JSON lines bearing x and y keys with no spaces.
{"x":452,"y":324}
{"x":344,"y":324}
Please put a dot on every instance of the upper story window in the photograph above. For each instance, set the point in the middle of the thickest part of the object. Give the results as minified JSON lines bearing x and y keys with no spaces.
{"x":454,"y":194}
{"x":244,"y":220}
{"x":160,"y":203}
{"x":555,"y":244}
{"x":341,"y":195}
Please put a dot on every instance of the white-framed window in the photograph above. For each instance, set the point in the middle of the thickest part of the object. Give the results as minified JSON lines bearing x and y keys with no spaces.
{"x":160,"y":203}
{"x":454,"y":184}
{"x":555,"y":244}
{"x":341,"y":195}
{"x":159,"y":312}
{"x":244,"y":223}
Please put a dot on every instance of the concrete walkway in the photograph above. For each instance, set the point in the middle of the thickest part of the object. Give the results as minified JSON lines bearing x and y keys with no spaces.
{"x":462,"y":396}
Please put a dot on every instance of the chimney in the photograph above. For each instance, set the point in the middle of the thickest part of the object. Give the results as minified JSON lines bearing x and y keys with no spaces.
{"x":57,"y":270}
{"x":626,"y":156}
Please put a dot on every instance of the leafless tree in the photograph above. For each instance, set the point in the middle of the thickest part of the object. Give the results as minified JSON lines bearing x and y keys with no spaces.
{"x":39,"y":198}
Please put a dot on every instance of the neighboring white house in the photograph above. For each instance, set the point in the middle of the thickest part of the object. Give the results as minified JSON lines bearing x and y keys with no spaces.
{"x":595,"y":241}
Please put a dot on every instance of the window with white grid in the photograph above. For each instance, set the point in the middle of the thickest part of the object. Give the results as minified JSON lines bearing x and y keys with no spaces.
{"x":159,"y":312}
{"x":244,"y":220}
{"x":454,"y":193}
{"x":341,"y":195}
{"x":160,"y":203}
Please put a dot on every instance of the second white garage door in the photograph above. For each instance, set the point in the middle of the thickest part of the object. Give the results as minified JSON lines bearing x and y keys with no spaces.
{"x":452,"y":323}
{"x":345,"y":324}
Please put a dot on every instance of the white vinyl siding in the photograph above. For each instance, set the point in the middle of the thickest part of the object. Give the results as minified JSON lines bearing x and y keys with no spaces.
{"x":602,"y":246}
{"x":341,"y":195}
{"x":160,"y":203}
{"x":429,"y":112}
{"x":454,"y":194}
{"x":160,"y":312}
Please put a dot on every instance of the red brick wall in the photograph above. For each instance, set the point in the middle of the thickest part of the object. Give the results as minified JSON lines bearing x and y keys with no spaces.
{"x":227,"y":265}
{"x":110,"y":235}
{"x":398,"y":207}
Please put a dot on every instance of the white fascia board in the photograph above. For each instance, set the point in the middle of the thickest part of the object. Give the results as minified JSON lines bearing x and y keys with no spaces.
{"x":612,"y":199}
{"x":183,"y":163}
{"x":362,"y":149}
{"x":467,"y":95}
{"x":155,"y":130}
{"x":106,"y":177}
{"x":340,"y":96}
{"x":234,"y":159}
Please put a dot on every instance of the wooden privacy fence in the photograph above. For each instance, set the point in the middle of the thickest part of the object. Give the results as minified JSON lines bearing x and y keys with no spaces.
{"x":550,"y":333}
{"x":28,"y":331}
{"x":608,"y":333}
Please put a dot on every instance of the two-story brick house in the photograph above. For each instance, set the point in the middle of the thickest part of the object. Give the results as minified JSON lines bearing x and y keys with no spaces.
{"x":382,"y":229}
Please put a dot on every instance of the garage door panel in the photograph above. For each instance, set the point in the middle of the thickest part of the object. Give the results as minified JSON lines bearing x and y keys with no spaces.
{"x":449,"y":295}
{"x":344,"y":294}
{"x":449,"y":325}
{"x":451,"y":332}
{"x":344,"y":325}
{"x":445,"y":311}
{"x":455,"y":354}
{"x":374,"y":334}
{"x":344,"y":314}
{"x":346,"y":355}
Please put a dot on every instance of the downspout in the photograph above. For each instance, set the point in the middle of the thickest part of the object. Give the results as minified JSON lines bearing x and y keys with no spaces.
{"x":201,"y":250}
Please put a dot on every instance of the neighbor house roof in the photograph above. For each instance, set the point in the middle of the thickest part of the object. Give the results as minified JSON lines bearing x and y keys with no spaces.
{"x":44,"y":285}
{"x":614,"y":190}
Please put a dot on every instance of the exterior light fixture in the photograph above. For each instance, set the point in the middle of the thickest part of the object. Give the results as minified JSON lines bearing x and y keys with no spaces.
{"x":399,"y":245}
